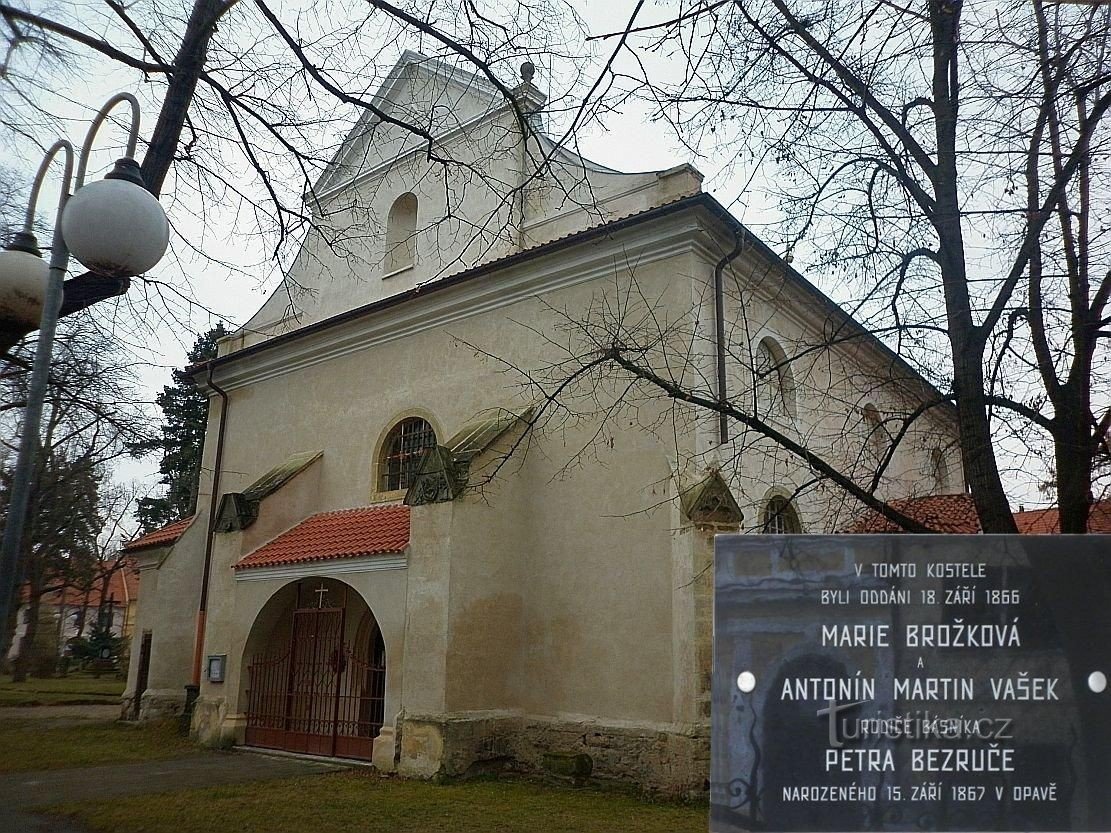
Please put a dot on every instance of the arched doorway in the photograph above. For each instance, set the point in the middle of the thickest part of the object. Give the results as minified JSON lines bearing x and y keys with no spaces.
{"x":316,"y":672}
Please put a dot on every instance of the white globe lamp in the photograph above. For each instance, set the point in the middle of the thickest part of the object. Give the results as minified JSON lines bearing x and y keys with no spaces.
{"x":23,"y":280}
{"x":116,"y":227}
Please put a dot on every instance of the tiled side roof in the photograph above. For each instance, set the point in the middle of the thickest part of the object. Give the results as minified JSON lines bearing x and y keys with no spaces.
{"x":1038,"y":521}
{"x":370,"y":530}
{"x":951,"y":514}
{"x":1047,"y":521}
{"x":956,"y":514}
{"x":160,"y":537}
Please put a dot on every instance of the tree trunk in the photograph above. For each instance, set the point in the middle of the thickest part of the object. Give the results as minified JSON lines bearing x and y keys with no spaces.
{"x":1072,"y":450}
{"x":188,"y":64}
{"x":8,"y":634}
{"x":967,"y":341}
{"x":27,"y":645}
{"x":980,"y":466}
{"x":82,"y":615}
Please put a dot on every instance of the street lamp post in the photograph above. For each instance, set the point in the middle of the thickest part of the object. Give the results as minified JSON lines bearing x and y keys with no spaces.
{"x":114,"y":227}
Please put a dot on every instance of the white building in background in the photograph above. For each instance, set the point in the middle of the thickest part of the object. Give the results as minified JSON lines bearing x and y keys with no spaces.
{"x":67,"y":613}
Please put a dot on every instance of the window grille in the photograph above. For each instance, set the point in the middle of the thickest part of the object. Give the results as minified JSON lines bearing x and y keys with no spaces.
{"x":402,"y":451}
{"x":780,"y":517}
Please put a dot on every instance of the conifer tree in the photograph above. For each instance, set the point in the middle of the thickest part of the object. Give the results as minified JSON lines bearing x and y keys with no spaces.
{"x":181,"y":441}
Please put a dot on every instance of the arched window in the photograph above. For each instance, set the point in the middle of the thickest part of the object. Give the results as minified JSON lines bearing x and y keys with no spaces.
{"x":774,"y":380}
{"x":401,"y":453}
{"x":780,"y":517}
{"x":939,"y":471}
{"x":401,"y":233}
{"x":875,"y":435}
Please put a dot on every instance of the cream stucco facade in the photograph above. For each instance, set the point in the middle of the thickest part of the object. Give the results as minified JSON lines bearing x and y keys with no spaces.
{"x":560,"y":605}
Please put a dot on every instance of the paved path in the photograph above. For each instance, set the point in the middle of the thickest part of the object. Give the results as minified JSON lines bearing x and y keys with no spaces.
{"x":55,"y":714}
{"x":21,"y":791}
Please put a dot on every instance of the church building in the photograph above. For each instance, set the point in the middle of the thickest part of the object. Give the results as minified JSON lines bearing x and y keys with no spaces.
{"x":433,"y":532}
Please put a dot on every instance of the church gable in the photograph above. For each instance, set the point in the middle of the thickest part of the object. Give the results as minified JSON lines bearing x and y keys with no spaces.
{"x":459,"y":216}
{"x":430,"y":95}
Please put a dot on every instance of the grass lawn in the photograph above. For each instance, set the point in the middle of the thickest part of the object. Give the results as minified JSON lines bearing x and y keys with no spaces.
{"x":359,"y":802}
{"x":76,"y":688}
{"x":27,"y":745}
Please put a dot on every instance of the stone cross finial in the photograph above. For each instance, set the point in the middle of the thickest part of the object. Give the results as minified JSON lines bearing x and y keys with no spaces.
{"x":528,"y":70}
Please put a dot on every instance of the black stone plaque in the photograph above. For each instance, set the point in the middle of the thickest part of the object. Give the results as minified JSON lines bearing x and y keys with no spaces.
{"x":911,"y":682}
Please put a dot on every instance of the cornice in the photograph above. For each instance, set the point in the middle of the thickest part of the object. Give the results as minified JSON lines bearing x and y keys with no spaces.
{"x":324,"y":567}
{"x":501,"y":287}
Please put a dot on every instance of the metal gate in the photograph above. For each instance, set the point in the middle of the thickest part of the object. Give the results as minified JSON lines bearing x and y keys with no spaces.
{"x":320,"y":696}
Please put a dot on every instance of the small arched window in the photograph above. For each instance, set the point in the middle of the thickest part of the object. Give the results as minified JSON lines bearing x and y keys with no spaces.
{"x":774,"y":381}
{"x":401,"y":233}
{"x":939,"y":471}
{"x":401,"y":453}
{"x":780,"y":517}
{"x":875,"y":435}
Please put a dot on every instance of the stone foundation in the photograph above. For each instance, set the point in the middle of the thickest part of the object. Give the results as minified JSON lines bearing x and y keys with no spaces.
{"x":156,"y":704}
{"x":669,"y":759}
{"x":214,"y":725}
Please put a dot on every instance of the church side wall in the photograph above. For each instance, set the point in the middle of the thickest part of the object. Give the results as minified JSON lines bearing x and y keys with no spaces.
{"x":167,"y":608}
{"x":833,"y":383}
{"x":146,"y":616}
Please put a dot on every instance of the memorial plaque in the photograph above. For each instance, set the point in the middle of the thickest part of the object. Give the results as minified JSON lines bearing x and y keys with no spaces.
{"x":911,"y":682}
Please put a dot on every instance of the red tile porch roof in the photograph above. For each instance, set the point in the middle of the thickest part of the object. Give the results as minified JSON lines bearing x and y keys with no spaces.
{"x":159,"y":537}
{"x":956,"y":515}
{"x":348,"y":533}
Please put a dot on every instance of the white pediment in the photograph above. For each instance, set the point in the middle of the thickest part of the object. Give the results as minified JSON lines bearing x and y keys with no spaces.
{"x":430,"y":95}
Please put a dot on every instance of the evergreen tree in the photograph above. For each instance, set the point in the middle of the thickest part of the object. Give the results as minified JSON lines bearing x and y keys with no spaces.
{"x":185,"y":415}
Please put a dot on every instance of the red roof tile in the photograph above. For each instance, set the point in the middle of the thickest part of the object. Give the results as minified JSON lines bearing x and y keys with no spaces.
{"x":1038,"y":521}
{"x":370,"y":530}
{"x":956,"y":514}
{"x":123,"y":587}
{"x":160,"y":537}
{"x":1047,"y":522}
{"x":950,"y":514}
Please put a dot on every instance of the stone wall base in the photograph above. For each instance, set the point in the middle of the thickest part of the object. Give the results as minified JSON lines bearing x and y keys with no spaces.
{"x":155,"y":704}
{"x":672,"y":760}
{"x":214,"y":725}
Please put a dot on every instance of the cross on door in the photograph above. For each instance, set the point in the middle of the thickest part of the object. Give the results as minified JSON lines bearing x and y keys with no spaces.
{"x":321,"y":595}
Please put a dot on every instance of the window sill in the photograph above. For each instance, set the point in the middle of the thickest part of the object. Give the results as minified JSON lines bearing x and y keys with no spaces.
{"x":392,"y":496}
{"x":405,"y":268}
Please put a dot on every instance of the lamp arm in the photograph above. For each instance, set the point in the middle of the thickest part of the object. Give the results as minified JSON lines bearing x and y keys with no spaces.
{"x":36,"y":185}
{"x":98,"y":120}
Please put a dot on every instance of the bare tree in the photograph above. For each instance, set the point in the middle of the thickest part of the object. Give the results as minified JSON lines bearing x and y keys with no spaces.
{"x":253,"y":102}
{"x":91,"y":410}
{"x":117,"y":507}
{"x":902,"y":141}
{"x":896,"y":138}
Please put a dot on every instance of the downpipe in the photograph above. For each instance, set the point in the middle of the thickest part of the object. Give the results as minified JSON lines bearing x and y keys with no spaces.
{"x":193,"y":689}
